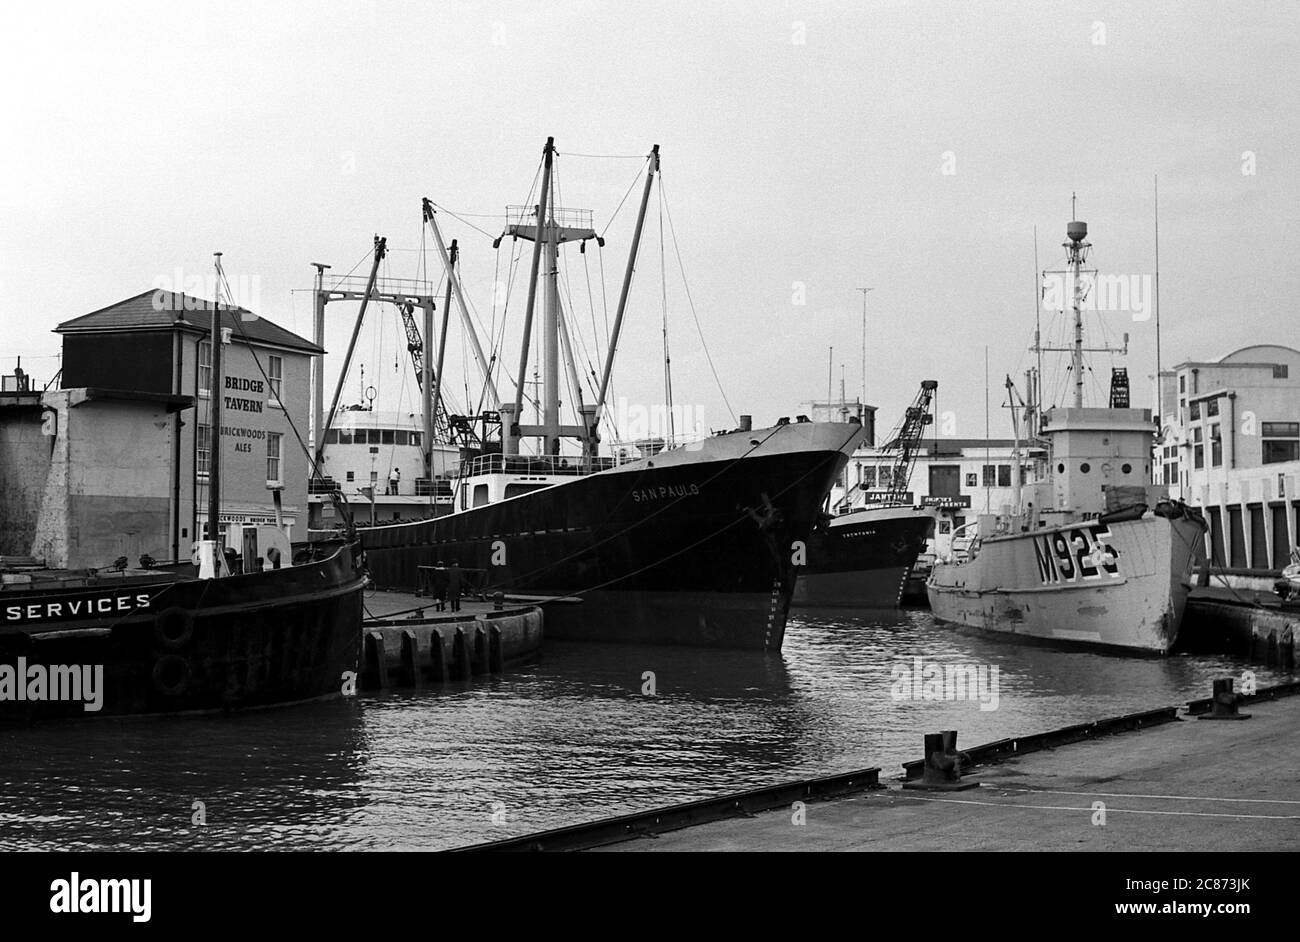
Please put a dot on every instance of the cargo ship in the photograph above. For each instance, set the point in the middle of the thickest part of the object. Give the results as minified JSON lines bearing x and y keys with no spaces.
{"x":1096,"y":555}
{"x":863,"y":556}
{"x":693,"y":543}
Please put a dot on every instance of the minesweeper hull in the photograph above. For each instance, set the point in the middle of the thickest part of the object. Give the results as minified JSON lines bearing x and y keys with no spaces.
{"x":694,"y":546}
{"x":174,"y":644}
{"x":1120,"y":585}
{"x":862,"y":559}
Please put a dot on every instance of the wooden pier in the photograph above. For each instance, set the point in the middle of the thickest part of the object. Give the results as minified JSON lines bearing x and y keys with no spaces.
{"x":408,"y":643}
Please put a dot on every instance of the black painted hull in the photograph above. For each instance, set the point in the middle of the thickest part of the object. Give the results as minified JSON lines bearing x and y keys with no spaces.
{"x":699,"y":553}
{"x":862,"y":564}
{"x":242,"y":642}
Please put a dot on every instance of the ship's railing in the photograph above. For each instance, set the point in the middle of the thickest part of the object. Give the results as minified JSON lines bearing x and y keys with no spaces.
{"x":402,"y":287}
{"x":568,"y":218}
{"x":538,"y":464}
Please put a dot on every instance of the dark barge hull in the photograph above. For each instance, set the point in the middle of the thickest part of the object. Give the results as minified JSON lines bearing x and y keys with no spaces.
{"x":861,"y":564}
{"x":696,"y":552}
{"x":176,"y":644}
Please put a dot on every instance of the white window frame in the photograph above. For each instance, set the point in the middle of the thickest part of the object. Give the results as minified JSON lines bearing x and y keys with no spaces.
{"x":204,"y":391}
{"x":202,"y":456}
{"x":275,"y":380}
{"x":275,"y":453}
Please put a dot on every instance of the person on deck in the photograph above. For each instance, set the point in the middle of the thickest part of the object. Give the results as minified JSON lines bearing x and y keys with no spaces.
{"x":440,"y":588}
{"x":394,"y":479}
{"x":453,"y":586}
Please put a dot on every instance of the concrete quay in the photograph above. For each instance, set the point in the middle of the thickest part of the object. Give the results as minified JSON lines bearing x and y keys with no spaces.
{"x":1163,"y":780}
{"x":1179,"y":786}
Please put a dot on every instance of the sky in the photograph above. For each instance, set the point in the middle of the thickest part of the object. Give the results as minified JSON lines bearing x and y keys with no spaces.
{"x":808,"y":150}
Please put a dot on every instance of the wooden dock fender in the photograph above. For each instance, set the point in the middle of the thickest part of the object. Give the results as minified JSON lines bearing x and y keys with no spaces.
{"x":411,"y":674}
{"x":437,"y":658}
{"x":481,"y":654}
{"x":375,"y":674}
{"x":460,"y":654}
{"x":496,"y":656}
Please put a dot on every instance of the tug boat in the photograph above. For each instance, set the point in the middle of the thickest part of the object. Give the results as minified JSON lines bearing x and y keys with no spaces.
{"x":267,"y":624}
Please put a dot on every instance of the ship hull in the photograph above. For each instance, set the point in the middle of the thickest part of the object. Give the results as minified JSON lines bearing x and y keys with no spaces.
{"x":1121,"y":586}
{"x":694,"y":546}
{"x":862,"y":559}
{"x":170,"y":644}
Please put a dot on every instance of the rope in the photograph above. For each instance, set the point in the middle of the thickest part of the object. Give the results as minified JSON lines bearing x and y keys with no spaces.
{"x":687,"y":286}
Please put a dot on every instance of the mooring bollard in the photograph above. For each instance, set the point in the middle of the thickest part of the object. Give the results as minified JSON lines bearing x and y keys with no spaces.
{"x":942,"y":770}
{"x":1224,"y":703}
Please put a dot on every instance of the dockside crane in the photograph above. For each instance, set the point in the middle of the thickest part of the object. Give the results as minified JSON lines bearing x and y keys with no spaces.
{"x":905,"y":444}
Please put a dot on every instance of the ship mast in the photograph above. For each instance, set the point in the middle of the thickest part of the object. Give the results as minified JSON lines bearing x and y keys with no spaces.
{"x":1076,"y":250}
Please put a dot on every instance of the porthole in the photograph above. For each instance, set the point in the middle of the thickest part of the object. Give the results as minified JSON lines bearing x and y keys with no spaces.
{"x":1085,"y":467}
{"x":1060,"y":469}
{"x":1126,"y":468}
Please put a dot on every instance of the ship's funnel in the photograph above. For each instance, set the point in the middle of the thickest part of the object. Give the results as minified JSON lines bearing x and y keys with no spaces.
{"x":1076,"y":231}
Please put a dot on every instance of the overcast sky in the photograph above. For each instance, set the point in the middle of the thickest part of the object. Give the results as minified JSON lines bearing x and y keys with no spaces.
{"x":809,"y":149}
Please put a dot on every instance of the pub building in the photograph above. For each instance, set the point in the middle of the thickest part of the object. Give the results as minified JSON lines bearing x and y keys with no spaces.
{"x":158,"y":343}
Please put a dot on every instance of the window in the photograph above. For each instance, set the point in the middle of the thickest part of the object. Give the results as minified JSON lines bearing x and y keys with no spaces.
{"x":403,"y":436}
{"x":1281,"y":441}
{"x":1198,"y":449}
{"x":868,"y":477}
{"x":374,"y":478}
{"x":333,"y":437}
{"x":352,"y":476}
{"x":972,"y":480}
{"x":1182,"y":382}
{"x":990,"y":475}
{"x":1196,"y":411}
{"x":275,"y":376}
{"x":1216,"y":446}
{"x":203,"y":446}
{"x":1004,"y":475}
{"x":1212,"y":408}
{"x":273,"y":441}
{"x":205,"y":368}
{"x":389,"y":436}
{"x":415,"y":438}
{"x":1279,"y":370}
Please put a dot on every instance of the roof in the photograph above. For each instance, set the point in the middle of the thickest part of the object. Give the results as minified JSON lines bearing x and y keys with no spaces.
{"x":157,"y":309}
{"x":1256,"y":355}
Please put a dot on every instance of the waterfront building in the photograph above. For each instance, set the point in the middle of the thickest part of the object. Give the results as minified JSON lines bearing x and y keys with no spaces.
{"x":1231,"y":446}
{"x":157,"y":344}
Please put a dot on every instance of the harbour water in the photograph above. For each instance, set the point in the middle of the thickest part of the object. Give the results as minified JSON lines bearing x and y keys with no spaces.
{"x":575,"y":737}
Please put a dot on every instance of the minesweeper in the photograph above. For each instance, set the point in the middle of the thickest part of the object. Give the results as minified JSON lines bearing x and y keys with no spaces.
{"x":1097,"y":555}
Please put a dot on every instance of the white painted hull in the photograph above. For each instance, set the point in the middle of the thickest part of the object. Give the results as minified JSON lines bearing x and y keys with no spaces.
{"x":1123,"y":585}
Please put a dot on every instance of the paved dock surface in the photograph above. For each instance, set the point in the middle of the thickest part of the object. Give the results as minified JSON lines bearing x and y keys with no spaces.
{"x":1189,"y":785}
